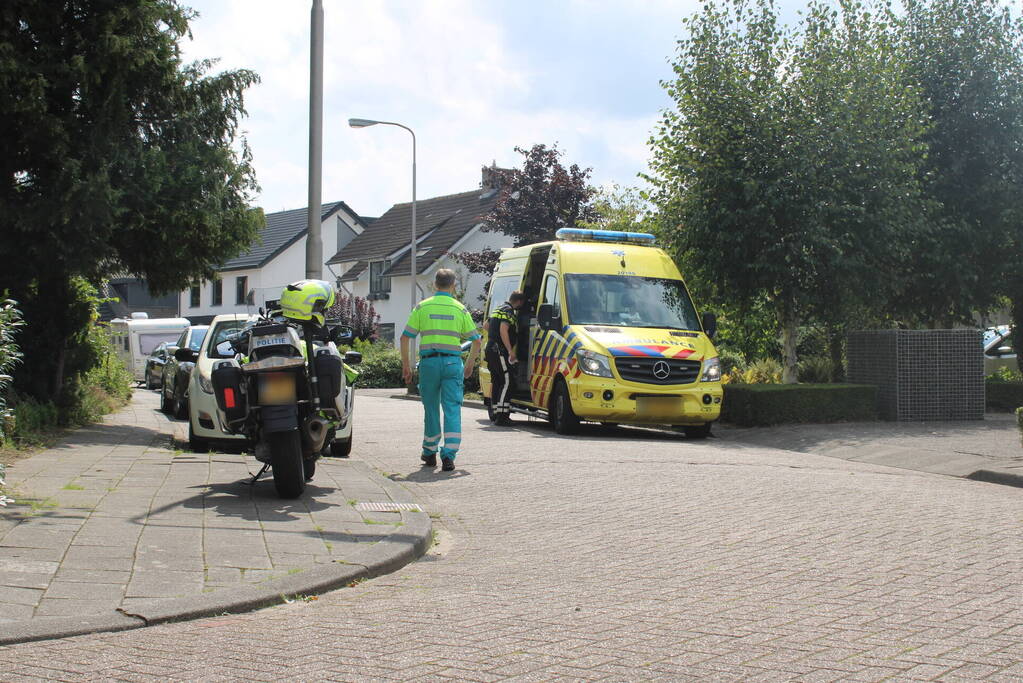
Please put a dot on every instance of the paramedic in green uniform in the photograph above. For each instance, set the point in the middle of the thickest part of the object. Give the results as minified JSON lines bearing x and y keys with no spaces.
{"x":443,"y":323}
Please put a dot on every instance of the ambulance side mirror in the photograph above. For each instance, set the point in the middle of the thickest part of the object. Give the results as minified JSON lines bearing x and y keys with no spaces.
{"x":545,"y":317}
{"x":710,"y":324}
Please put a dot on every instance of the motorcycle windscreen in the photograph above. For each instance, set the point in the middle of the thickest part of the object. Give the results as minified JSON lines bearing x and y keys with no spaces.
{"x":276,"y":388}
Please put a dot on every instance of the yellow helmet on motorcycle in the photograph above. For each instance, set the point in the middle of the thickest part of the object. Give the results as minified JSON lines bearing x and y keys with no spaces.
{"x":307,"y":300}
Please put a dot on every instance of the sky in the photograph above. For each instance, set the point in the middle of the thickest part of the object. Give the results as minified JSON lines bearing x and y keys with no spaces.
{"x":472,"y":79}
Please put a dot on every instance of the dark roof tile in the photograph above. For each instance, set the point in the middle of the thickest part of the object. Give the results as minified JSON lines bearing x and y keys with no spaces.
{"x":442,"y":220}
{"x":282,"y":229}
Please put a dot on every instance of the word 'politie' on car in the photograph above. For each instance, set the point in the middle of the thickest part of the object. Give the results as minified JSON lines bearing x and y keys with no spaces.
{"x":176,"y":373}
{"x":615,"y":337}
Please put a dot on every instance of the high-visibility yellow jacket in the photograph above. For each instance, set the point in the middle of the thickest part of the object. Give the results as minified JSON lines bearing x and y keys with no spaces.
{"x":443,"y":323}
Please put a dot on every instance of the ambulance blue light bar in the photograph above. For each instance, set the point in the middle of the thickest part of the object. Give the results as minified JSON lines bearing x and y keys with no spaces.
{"x":584,"y":235}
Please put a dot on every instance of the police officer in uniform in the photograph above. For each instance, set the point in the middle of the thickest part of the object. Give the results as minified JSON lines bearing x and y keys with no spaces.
{"x":502,"y":335}
{"x":443,"y":323}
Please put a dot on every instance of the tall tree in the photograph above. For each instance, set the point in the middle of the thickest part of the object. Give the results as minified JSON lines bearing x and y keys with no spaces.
{"x":966,"y":57}
{"x":787,"y":159}
{"x":619,"y":208}
{"x":535,"y":201}
{"x":115,"y":156}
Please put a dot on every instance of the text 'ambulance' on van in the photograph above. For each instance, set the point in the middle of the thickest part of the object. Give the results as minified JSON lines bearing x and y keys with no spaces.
{"x":613,"y":335}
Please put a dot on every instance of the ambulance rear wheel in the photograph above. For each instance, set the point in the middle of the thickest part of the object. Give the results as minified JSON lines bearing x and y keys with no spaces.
{"x":563,"y":418}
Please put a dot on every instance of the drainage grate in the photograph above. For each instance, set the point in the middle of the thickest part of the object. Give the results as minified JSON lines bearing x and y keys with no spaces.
{"x":387,"y":507}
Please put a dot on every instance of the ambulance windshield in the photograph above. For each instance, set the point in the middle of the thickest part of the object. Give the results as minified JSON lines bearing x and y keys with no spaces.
{"x":629,"y":301}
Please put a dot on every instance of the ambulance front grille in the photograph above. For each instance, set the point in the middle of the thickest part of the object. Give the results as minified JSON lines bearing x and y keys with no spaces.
{"x":652,"y":370}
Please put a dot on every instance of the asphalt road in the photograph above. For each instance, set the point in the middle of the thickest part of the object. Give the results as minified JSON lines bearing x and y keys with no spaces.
{"x":628,"y":555}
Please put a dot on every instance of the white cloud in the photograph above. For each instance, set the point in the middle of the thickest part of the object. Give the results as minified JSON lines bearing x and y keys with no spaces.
{"x":469,"y":86}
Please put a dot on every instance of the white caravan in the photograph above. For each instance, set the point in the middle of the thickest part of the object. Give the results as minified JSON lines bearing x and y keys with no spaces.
{"x":136,"y":338}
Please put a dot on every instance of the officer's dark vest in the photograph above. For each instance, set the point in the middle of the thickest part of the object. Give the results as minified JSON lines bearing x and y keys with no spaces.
{"x":504,"y":314}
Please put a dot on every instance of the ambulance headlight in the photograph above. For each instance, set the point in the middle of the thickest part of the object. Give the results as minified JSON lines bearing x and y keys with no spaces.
{"x":594,"y":364}
{"x":711,"y":370}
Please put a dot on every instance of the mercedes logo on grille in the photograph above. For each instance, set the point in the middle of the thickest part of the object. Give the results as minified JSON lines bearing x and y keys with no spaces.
{"x":661,"y":369}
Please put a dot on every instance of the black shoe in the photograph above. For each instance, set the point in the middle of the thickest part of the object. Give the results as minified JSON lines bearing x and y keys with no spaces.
{"x":429,"y":460}
{"x":503,"y":421}
{"x":448,"y":464}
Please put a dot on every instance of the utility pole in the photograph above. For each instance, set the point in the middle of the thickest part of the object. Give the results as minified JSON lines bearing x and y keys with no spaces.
{"x":314,"y":241}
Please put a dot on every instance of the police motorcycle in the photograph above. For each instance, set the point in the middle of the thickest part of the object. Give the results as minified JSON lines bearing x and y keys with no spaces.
{"x":287,"y":389}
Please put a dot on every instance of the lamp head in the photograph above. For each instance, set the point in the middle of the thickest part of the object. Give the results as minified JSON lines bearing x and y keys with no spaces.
{"x":361,"y":123}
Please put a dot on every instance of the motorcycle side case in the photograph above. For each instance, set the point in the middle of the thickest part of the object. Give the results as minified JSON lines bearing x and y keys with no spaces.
{"x":330,"y":375}
{"x":229,"y":378}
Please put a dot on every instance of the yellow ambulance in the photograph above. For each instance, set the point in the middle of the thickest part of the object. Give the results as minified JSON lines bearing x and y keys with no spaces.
{"x":608,"y":334}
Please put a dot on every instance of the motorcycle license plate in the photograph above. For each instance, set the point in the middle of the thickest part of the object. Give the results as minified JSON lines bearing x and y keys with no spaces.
{"x":276,"y":388}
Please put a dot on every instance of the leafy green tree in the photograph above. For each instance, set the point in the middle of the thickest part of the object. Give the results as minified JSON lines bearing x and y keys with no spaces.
{"x":619,"y":208}
{"x":967,"y":58}
{"x":787,"y":171}
{"x":115,"y":157}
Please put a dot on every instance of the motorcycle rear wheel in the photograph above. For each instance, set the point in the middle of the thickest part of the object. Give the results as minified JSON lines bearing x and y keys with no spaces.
{"x":286,"y":463}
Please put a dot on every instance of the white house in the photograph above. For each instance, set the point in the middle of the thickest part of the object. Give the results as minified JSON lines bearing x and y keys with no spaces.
{"x":277,"y":258}
{"x":376,"y":264}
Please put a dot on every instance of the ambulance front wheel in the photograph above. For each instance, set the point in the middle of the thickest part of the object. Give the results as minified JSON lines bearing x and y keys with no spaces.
{"x":562,"y":416}
{"x":697,"y":432}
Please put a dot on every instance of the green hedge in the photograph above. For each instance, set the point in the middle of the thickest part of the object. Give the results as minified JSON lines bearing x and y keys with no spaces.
{"x":758,"y":405}
{"x":1003,"y":396}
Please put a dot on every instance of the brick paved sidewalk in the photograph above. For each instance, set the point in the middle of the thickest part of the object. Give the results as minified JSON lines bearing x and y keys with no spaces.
{"x":985,"y":450}
{"x":118,"y":526}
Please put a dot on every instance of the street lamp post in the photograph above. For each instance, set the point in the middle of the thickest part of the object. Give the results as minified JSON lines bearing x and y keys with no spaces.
{"x":363,"y":123}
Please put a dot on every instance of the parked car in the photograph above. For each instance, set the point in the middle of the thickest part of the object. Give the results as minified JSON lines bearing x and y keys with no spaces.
{"x":174,"y":382}
{"x":998,"y":349}
{"x":153,"y":374}
{"x":204,"y":427}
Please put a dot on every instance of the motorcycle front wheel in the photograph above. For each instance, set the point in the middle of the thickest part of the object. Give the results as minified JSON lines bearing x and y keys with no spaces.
{"x":286,"y":463}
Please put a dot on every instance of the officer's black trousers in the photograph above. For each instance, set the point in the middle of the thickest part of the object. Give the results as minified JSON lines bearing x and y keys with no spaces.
{"x":500,"y":378}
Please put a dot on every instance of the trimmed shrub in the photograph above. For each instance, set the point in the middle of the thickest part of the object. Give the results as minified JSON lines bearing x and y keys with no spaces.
{"x":1003,"y":396}
{"x":760,"y":405}
{"x":380,"y":367}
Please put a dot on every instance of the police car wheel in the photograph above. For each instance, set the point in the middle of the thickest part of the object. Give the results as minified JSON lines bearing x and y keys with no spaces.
{"x":341,"y":448}
{"x":562,"y":416}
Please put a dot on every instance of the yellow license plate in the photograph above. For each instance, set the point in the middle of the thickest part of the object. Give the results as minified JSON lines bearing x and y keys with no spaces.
{"x":276,"y":388}
{"x":650,"y":407}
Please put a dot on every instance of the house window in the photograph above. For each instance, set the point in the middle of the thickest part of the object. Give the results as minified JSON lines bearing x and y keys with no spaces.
{"x":377,"y":283}
{"x":193,"y":297}
{"x":241,"y":289}
{"x":217,"y":292}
